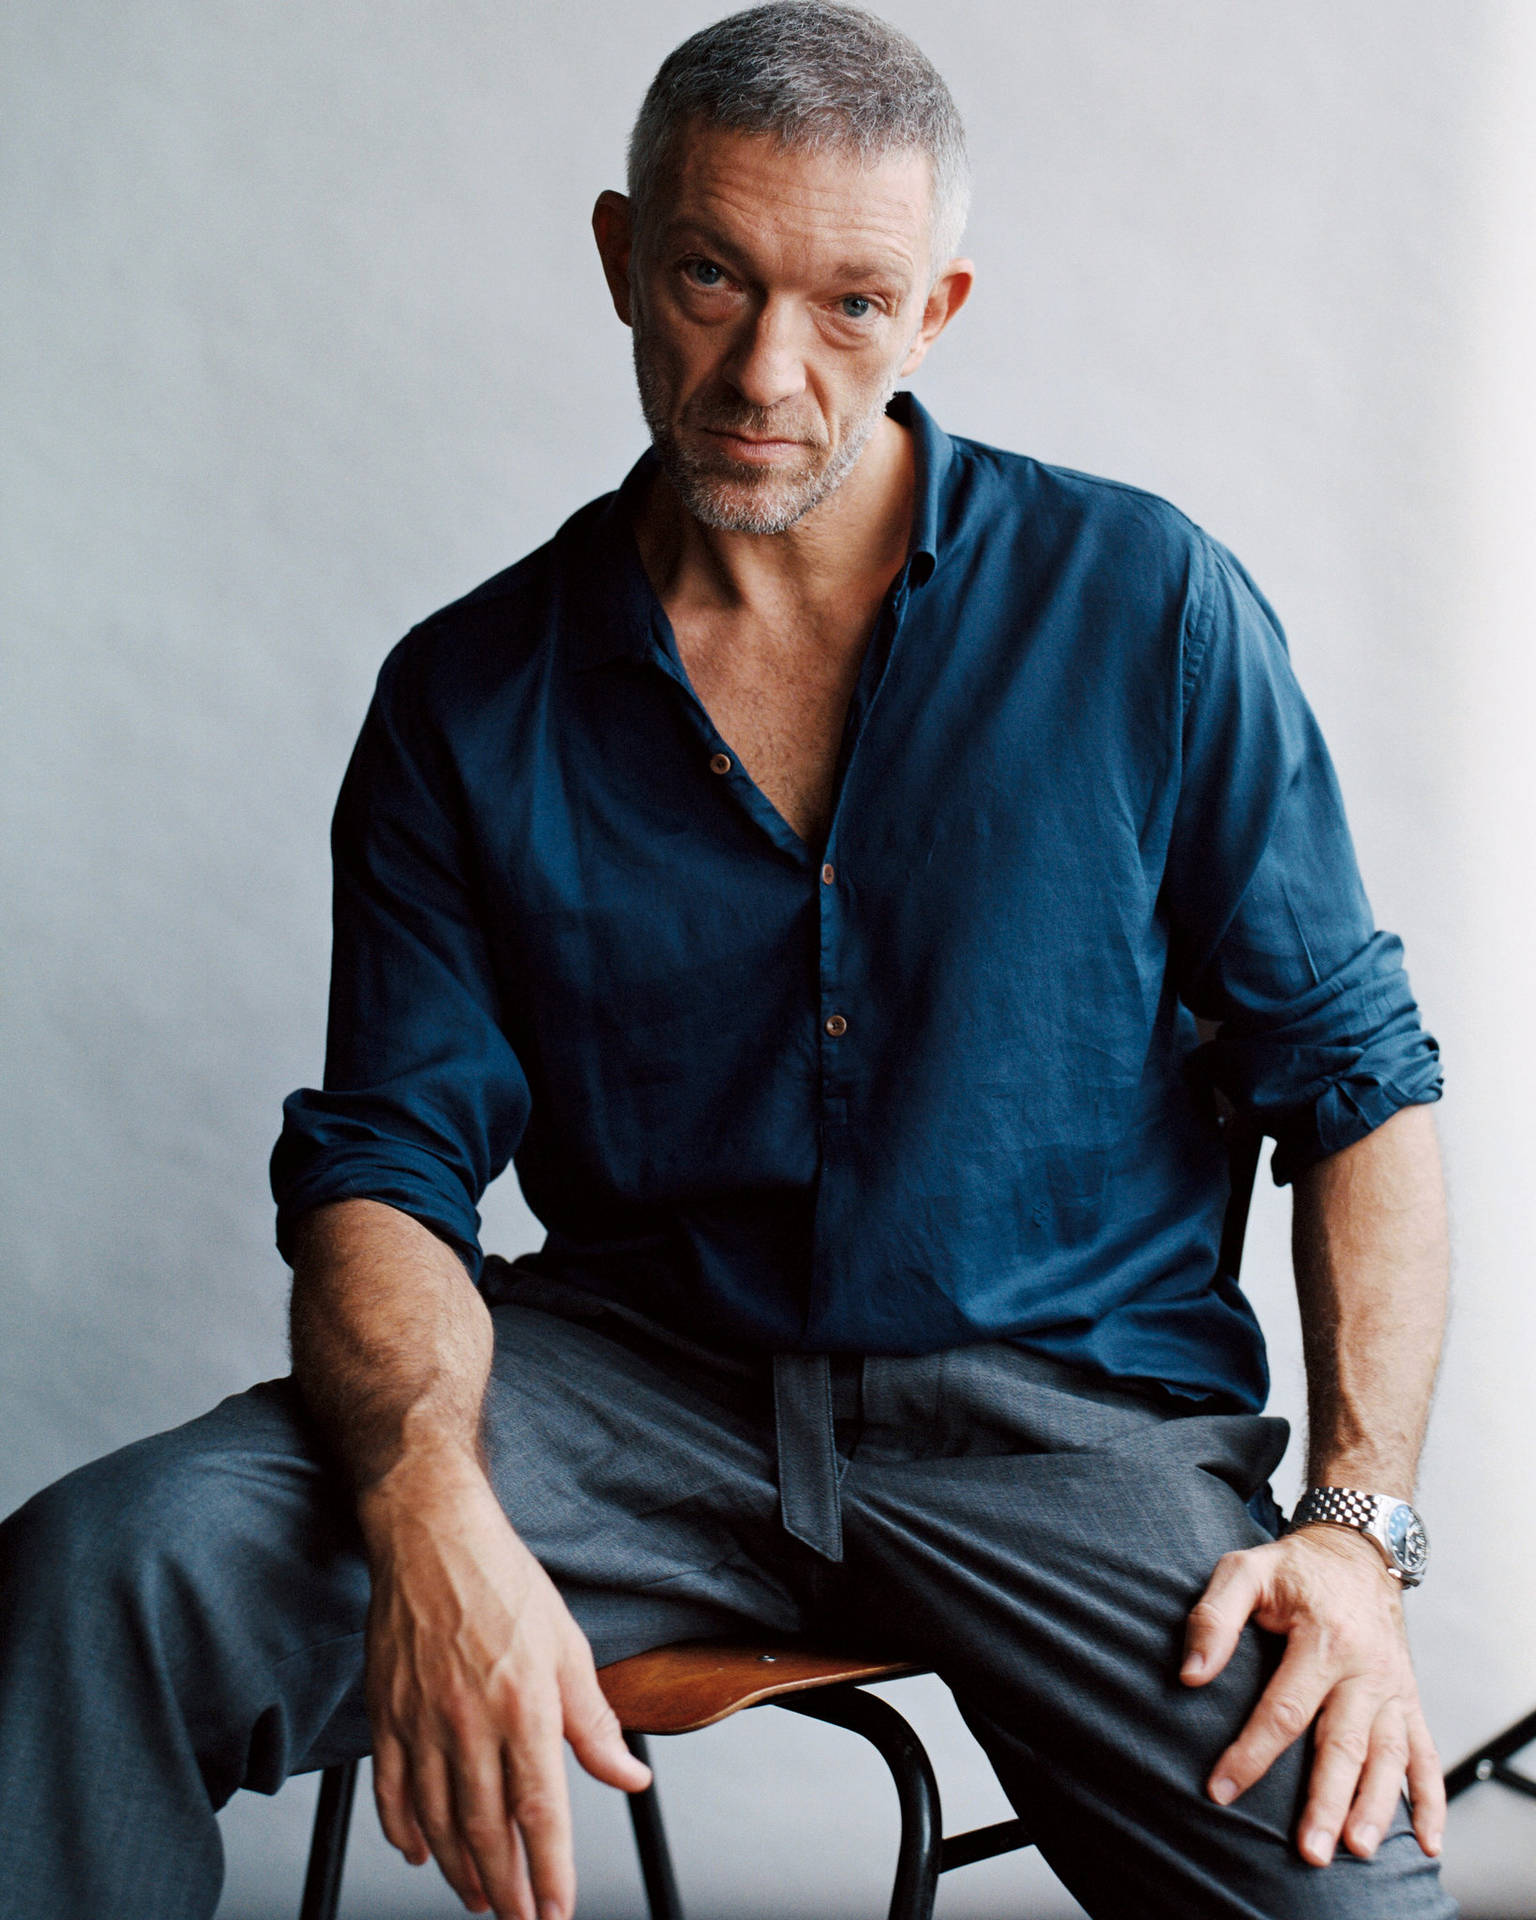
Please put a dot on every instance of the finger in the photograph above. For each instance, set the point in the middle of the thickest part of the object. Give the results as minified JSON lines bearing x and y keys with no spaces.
{"x":1343,"y":1750}
{"x":432,"y":1794}
{"x":593,"y":1729}
{"x":540,"y":1805}
{"x":1381,"y":1783}
{"x":525,"y":1883}
{"x":487,"y":1833}
{"x":526,"y":1903}
{"x":1426,"y":1784}
{"x":1218,"y":1617}
{"x":1286,"y":1708}
{"x":391,"y":1795}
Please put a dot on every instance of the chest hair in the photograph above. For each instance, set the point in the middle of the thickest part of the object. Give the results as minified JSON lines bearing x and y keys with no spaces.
{"x":778,"y":695}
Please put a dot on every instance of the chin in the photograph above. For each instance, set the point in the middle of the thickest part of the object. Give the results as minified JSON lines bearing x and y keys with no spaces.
{"x":730,"y":497}
{"x":730,"y":506}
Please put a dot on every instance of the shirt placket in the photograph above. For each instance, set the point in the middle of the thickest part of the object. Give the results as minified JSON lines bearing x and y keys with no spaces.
{"x":844,"y":1020}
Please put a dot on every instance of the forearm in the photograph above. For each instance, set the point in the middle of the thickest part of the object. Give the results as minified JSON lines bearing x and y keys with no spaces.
{"x":1370,"y":1248}
{"x":474,"y":1666}
{"x":391,"y":1342}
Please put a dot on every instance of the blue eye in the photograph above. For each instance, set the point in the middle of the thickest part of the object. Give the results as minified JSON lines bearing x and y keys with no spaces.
{"x":856,"y":307}
{"x":704,"y":273}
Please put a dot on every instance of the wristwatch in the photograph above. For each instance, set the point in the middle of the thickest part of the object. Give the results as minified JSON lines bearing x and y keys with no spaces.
{"x":1394,"y":1526}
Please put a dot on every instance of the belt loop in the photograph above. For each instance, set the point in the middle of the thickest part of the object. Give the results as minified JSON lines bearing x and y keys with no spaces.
{"x":807,"y":1446}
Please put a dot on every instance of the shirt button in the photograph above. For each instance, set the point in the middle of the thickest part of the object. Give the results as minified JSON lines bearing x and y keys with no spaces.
{"x":828,"y":874}
{"x":720,"y":763}
{"x":837,"y":1026}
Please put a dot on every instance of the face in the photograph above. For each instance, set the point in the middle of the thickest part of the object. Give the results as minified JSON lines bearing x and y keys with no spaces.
{"x":776,"y":301}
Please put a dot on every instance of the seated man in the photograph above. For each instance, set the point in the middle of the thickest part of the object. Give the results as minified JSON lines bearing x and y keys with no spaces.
{"x":809,"y":868}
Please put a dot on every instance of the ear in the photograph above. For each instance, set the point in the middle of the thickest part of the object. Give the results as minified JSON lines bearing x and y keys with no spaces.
{"x":946,"y":297}
{"x":614,"y":234}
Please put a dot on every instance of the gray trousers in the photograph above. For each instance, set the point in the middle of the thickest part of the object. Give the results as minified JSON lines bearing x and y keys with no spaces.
{"x":185,"y":1617}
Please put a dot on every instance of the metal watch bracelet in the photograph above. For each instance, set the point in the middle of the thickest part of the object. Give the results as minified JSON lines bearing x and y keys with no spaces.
{"x":1391,"y":1523}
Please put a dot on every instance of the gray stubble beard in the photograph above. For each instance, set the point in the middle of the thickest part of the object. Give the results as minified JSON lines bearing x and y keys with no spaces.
{"x":777,"y":501}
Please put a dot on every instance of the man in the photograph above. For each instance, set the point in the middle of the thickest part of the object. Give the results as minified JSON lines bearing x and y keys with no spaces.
{"x":809,"y":868}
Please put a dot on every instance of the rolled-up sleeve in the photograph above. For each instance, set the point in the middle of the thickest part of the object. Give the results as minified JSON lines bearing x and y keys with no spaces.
{"x":424,"y":1100}
{"x":1272,"y":934}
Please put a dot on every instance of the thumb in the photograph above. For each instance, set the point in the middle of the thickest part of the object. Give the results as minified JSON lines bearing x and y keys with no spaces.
{"x":593,"y":1729}
{"x":1217,"y":1619}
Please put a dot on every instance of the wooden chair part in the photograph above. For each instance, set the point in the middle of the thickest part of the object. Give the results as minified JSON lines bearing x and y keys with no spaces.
{"x":693,"y":1684}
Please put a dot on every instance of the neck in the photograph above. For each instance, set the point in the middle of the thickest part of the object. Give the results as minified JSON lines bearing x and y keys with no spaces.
{"x":861,"y":531}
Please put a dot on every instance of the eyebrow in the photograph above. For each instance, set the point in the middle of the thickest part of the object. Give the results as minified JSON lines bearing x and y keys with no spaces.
{"x":856,"y":268}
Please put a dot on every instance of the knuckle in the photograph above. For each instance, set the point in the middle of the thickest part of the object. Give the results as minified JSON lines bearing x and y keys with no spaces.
{"x":1340,"y":1648}
{"x":396,"y":1832}
{"x":534,"y":1807}
{"x":440,"y":1837}
{"x":459,"y":1715}
{"x":431,"y":1815}
{"x":1290,"y":1715}
{"x":594,"y":1716}
{"x":1351,"y":1744}
{"x":504,"y":1699}
{"x":394,"y":1817}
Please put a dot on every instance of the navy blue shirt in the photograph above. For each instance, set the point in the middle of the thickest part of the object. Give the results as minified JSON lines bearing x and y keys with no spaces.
{"x":933,"y":1082}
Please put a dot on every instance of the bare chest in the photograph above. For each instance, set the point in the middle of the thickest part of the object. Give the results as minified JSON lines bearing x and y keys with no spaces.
{"x":779,"y":700}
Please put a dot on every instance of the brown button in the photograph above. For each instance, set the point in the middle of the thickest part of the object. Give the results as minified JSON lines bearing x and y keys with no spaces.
{"x":828,"y":874}
{"x":720,"y":763}
{"x":837,"y":1026}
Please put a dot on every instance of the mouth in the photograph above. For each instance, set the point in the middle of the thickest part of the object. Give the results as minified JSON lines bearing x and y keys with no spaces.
{"x":755,"y":449}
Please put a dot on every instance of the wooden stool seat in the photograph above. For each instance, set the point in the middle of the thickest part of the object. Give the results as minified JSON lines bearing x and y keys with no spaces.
{"x":694,"y":1683}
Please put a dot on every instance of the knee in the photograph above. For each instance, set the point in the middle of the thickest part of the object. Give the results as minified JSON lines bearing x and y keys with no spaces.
{"x":105,"y":1536}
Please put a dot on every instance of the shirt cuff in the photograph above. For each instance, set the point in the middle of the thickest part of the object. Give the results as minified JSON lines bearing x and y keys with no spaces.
{"x":404,"y":1177}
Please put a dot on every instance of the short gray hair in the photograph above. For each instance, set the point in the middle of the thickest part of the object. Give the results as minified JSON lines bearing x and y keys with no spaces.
{"x":819,"y":75}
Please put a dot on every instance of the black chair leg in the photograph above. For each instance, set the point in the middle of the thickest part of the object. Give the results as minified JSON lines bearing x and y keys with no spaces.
{"x":328,"y":1848}
{"x":922,"y":1829}
{"x":1490,"y":1761}
{"x":661,"y":1895}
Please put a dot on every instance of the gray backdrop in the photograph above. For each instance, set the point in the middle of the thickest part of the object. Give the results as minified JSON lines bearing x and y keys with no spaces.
{"x":305,"y":336}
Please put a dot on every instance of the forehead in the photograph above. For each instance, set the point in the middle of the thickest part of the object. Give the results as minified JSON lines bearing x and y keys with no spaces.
{"x":789,"y":204}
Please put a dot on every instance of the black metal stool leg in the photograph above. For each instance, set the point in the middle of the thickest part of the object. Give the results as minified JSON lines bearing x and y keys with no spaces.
{"x":328,"y":1848}
{"x":922,"y":1831}
{"x":661,"y":1894}
{"x":1490,"y":1761}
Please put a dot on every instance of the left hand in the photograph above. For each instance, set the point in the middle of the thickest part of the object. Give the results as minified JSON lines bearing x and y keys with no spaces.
{"x":1346,"y":1666}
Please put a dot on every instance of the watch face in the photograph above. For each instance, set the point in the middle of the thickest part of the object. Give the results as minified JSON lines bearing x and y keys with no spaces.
{"x":1407,"y":1539}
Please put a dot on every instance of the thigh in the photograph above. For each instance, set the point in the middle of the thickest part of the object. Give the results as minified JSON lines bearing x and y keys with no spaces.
{"x":641,"y":1476}
{"x":212,"y":1577}
{"x":207,"y":1582}
{"x":1131,"y":1861}
{"x":1051,"y":1589}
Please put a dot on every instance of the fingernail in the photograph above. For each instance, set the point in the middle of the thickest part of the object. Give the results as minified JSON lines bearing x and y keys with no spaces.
{"x":550,"y":1910}
{"x":1223,"y":1790}
{"x":1368,"y":1839}
{"x":1317,"y":1846}
{"x":1194,"y":1663}
{"x":1432,"y":1842}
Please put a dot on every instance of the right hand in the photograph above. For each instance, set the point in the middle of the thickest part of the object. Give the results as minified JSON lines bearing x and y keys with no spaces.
{"x":476,"y":1673}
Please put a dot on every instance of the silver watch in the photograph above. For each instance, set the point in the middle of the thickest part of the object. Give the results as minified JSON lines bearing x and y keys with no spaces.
{"x":1391,"y":1523}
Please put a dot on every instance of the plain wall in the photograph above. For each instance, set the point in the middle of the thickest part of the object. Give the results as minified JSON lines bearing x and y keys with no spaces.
{"x":304,"y":335}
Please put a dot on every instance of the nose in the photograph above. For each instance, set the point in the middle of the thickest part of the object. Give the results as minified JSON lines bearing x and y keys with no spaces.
{"x":767,"y":365}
